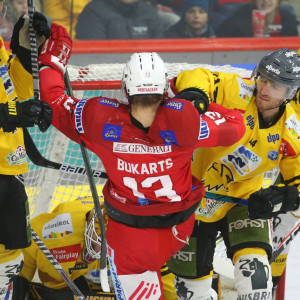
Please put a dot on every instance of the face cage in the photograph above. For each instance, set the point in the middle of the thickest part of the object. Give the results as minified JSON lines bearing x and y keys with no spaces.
{"x":89,"y":254}
{"x":3,"y":9}
{"x":291,"y":90}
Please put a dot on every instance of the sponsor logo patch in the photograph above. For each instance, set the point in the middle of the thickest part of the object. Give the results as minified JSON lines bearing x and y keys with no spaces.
{"x":175,"y":105}
{"x":78,"y":115}
{"x":17,"y":157}
{"x":243,"y":160}
{"x":58,"y":227}
{"x":250,"y":121}
{"x":204,"y":130}
{"x":273,"y":155}
{"x":8,"y":85}
{"x":168,"y":136}
{"x":272,"y":138}
{"x":109,"y":102}
{"x":67,"y":253}
{"x":246,"y":90}
{"x":111,"y":132}
{"x":293,"y":126}
{"x":140,"y":148}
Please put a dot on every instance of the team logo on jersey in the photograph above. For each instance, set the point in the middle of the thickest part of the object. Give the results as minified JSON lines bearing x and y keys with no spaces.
{"x":66,"y":253}
{"x":204,"y":130}
{"x":78,"y":115}
{"x":8,"y":85}
{"x":243,"y":159}
{"x":250,"y":121}
{"x":169,"y":137}
{"x":273,"y":155}
{"x":246,"y":90}
{"x":140,"y":148}
{"x":175,"y":105}
{"x":17,"y":157}
{"x":293,"y":126}
{"x":111,"y":132}
{"x":58,"y":227}
{"x":109,"y":102}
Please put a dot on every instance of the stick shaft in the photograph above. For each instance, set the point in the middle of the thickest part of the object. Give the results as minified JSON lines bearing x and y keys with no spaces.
{"x":103,"y":260}
{"x":57,"y":266}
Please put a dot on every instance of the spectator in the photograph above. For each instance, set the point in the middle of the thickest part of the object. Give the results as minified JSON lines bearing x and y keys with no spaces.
{"x":15,"y":8}
{"x":65,"y":12}
{"x":166,"y":14}
{"x":118,"y":19}
{"x":194,"y":21}
{"x":279,"y":20}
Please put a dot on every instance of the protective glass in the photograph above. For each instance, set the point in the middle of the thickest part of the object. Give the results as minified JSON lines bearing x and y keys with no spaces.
{"x":3,"y":9}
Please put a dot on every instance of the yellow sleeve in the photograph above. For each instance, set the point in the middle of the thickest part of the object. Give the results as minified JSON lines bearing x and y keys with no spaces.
{"x":224,"y":88}
{"x":78,"y":5}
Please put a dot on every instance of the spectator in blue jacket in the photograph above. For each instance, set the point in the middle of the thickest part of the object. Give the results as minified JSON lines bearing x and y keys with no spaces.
{"x":194,"y":22}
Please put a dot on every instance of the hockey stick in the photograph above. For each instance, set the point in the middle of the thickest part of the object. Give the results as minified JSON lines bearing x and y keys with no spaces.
{"x":36,"y":157}
{"x":103,"y":259}
{"x":285,"y":242}
{"x":36,"y":89}
{"x":230,"y":199}
{"x":57,"y":266}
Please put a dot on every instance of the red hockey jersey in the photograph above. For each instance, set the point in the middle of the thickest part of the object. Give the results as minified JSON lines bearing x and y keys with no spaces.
{"x":149,"y":173}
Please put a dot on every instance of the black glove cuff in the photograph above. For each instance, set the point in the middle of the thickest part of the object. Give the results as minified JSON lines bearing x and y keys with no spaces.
{"x":24,"y":56}
{"x":193,"y":93}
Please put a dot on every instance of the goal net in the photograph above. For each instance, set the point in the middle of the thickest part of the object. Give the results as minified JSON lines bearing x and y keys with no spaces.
{"x":47,"y":187}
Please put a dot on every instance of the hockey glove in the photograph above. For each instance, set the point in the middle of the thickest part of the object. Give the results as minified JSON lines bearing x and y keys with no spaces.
{"x":266,"y":203}
{"x":199,"y":98}
{"x":20,"y":41}
{"x":15,"y":114}
{"x":56,"y":51}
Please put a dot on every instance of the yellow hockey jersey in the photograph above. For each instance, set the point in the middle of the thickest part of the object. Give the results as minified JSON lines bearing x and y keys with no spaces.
{"x":16,"y":84}
{"x":238,"y":170}
{"x":62,"y":231}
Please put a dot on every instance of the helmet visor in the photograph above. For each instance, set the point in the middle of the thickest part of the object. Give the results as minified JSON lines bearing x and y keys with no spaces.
{"x":276,"y":90}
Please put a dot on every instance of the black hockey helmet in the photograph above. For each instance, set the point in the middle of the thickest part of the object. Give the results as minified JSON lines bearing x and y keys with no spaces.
{"x":283,"y":67}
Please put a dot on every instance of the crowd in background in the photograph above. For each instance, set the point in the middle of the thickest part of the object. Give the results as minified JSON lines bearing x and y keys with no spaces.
{"x":147,"y":19}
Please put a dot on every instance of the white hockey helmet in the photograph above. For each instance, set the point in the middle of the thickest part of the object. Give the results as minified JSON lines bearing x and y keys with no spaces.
{"x":145,"y":73}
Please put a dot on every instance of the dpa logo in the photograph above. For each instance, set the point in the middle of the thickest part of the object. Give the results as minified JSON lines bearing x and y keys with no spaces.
{"x":250,"y":122}
{"x":272,"y":138}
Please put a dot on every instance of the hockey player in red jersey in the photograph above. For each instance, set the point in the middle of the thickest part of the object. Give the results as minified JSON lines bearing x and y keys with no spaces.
{"x":146,"y":147}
